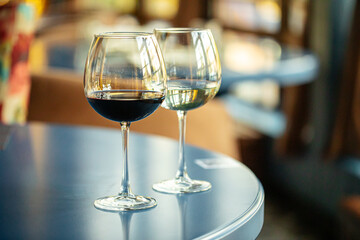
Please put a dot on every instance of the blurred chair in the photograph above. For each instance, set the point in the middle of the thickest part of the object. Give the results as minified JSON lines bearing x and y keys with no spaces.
{"x":282,"y":129}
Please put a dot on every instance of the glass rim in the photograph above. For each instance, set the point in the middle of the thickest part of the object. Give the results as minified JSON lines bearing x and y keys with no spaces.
{"x":181,"y":30}
{"x":123,"y":34}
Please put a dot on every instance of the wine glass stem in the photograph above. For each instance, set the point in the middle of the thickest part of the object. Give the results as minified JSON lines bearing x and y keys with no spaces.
{"x":125,"y":182}
{"x":182,"y":173}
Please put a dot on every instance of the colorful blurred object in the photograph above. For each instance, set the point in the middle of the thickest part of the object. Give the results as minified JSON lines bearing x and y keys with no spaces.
{"x":16,"y":28}
{"x":39,"y":6}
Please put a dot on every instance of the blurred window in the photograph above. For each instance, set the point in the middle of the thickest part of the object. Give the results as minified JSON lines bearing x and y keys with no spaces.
{"x":285,"y":20}
{"x":162,"y":9}
{"x":120,"y":6}
{"x":297,"y":16}
{"x":264,"y":15}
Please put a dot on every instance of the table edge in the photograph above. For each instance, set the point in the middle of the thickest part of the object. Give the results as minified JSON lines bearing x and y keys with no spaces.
{"x":238,"y":222}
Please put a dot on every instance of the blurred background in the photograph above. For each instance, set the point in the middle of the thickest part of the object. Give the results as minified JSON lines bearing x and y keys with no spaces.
{"x":288,"y":106}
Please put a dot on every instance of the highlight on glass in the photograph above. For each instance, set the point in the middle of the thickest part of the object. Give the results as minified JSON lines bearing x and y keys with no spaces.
{"x":124,"y":81}
{"x":194,"y":77}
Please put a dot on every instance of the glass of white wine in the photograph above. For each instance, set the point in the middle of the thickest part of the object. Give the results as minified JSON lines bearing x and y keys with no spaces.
{"x":194,"y":77}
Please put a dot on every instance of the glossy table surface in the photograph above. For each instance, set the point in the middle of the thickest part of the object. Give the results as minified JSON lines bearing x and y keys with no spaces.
{"x":50,"y":175}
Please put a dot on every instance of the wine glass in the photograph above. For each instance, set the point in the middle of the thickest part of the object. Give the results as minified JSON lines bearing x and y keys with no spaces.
{"x":124,"y":81}
{"x":194,"y":76}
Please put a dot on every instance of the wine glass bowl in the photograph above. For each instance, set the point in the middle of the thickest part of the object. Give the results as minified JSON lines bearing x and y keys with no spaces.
{"x":194,"y":77}
{"x":124,"y":81}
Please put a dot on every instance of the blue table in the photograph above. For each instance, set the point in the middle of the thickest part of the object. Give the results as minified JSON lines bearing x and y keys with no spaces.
{"x":50,"y":175}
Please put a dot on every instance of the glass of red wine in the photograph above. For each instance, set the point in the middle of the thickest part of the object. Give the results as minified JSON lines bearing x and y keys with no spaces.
{"x":124,"y":81}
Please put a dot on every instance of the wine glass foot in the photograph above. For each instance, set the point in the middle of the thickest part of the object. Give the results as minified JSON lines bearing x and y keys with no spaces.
{"x":181,"y":186}
{"x":124,"y":203}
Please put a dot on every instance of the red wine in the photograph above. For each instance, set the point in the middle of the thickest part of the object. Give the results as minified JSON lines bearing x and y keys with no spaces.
{"x":125,"y":105}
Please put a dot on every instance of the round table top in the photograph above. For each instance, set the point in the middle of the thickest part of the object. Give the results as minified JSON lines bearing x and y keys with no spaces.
{"x":51,"y":174}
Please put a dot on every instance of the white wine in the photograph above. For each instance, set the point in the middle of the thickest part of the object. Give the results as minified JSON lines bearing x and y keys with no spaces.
{"x":185,"y":95}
